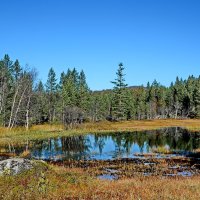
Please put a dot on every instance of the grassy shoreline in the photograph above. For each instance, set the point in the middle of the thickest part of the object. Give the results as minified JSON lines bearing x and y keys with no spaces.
{"x":47,"y":131}
{"x":61,"y":182}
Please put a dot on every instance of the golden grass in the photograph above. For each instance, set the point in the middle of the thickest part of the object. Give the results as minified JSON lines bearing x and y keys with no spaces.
{"x":64,"y":183}
{"x":45,"y":131}
{"x":140,"y":125}
{"x":197,"y":150}
{"x":134,"y":125}
{"x":161,"y":149}
{"x":25,"y":154}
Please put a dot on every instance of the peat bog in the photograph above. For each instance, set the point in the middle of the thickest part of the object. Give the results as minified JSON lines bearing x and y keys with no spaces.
{"x":164,"y":152}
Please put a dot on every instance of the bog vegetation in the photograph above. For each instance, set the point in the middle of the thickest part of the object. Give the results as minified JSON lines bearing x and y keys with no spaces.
{"x":67,"y":99}
{"x":65,"y":102}
{"x":75,"y":183}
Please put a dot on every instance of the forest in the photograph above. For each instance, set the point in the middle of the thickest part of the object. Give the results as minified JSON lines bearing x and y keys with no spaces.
{"x":67,"y":98}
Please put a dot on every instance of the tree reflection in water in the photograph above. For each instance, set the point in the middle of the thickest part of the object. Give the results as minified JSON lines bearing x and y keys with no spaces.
{"x":111,"y":145}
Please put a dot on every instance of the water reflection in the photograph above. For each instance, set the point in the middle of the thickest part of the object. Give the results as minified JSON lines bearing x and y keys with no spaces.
{"x":113,"y":145}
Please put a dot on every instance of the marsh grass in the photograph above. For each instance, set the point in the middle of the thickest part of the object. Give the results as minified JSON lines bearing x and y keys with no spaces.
{"x":49,"y":131}
{"x":63,"y":183}
{"x":161,"y":149}
{"x":57,"y":182}
{"x":25,"y":154}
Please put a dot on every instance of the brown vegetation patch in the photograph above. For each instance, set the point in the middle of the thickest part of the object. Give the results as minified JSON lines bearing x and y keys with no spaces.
{"x":137,"y":167}
{"x":75,"y":183}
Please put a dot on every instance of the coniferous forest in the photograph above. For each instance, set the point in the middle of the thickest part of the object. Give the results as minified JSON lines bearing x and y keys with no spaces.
{"x":66,"y":98}
{"x":108,"y":106}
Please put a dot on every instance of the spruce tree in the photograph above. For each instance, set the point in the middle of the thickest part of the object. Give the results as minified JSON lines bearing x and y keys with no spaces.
{"x":6,"y":91}
{"x":197,"y":99}
{"x":69,"y":89}
{"x":51,"y":81}
{"x":83,"y":92}
{"x":119,"y":97}
{"x":51,"y":87}
{"x":41,"y":104}
{"x":17,"y":70}
{"x":130,"y":104}
{"x":62,"y":79}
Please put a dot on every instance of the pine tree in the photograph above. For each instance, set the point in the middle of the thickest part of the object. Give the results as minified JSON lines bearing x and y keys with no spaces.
{"x":119,"y":96}
{"x":17,"y":70}
{"x":100,"y":106}
{"x":83,"y":92}
{"x":148,"y":101}
{"x":69,"y":90}
{"x":177,"y":97}
{"x":189,"y":104}
{"x":5,"y":91}
{"x":75,"y":76}
{"x":72,"y":114}
{"x":154,"y":89}
{"x":62,"y":79}
{"x":197,"y":99}
{"x":140,"y":103}
{"x":51,"y":88}
{"x":41,"y":104}
{"x":130,"y":105}
{"x":51,"y":81}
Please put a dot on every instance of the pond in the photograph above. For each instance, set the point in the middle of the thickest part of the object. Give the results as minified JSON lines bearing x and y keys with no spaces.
{"x":163,"y":142}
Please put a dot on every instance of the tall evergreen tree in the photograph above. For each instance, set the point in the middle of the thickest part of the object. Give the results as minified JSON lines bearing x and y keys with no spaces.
{"x":130,"y":105}
{"x":51,"y":88}
{"x":16,"y":69}
{"x":83,"y":92}
{"x":197,"y":99}
{"x":41,"y":104}
{"x":69,"y":90}
{"x":51,"y":81}
{"x":119,"y":97}
{"x":62,"y":79}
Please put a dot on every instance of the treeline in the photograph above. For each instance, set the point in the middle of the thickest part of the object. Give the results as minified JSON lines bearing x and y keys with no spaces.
{"x":25,"y":101}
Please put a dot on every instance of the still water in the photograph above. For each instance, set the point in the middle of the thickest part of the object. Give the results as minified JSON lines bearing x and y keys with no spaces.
{"x":114,"y":145}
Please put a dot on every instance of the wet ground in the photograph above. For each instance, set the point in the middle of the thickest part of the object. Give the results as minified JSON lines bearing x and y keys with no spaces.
{"x":132,"y":167}
{"x":165,"y":152}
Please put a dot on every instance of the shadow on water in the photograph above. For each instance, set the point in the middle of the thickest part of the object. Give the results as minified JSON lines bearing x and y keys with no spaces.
{"x":162,"y":142}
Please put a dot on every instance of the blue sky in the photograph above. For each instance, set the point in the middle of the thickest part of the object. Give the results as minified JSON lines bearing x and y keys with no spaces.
{"x":155,"y":39}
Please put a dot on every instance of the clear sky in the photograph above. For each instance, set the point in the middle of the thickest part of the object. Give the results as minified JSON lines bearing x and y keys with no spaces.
{"x":155,"y":39}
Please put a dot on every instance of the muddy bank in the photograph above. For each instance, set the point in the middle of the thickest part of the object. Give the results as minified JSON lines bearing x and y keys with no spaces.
{"x":135,"y":167}
{"x":147,"y":165}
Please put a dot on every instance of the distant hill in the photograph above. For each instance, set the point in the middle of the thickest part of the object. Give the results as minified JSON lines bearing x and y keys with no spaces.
{"x":109,"y":90}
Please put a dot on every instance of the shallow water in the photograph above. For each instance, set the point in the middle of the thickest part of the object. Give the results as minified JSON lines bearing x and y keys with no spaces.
{"x":107,"y":177}
{"x":114,"y":145}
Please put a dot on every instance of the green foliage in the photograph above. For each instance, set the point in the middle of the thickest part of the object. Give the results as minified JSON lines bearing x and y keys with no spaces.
{"x":83,"y":94}
{"x":51,"y":81}
{"x":119,"y":107}
{"x":40,"y":104}
{"x":24,"y":102}
{"x":42,"y":183}
{"x":196,"y":97}
{"x":6,"y":171}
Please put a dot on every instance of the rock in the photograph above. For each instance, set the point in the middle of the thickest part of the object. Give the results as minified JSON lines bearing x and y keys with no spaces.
{"x":15,"y":166}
